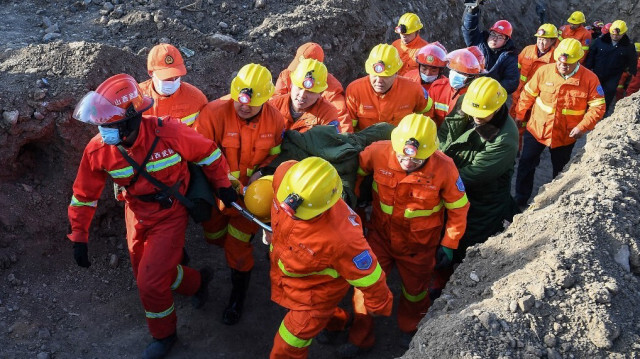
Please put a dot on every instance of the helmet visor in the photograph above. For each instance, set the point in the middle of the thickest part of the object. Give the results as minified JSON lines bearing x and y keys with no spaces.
{"x":97,"y":110}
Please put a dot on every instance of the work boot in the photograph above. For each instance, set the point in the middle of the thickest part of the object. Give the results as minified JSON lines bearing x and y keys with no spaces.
{"x":202,"y":295}
{"x":240,"y":283}
{"x":350,"y":350}
{"x":159,"y":348}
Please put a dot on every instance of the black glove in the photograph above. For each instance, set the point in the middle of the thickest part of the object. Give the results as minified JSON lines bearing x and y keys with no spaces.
{"x":444,"y":257}
{"x":81,"y":254}
{"x":227,"y":195}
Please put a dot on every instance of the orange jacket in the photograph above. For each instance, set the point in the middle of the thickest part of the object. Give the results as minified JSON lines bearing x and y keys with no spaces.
{"x":334,"y":92}
{"x":581,"y":34}
{"x":408,"y":208}
{"x":634,"y":84}
{"x":314,"y":262}
{"x":184,"y":104}
{"x":321,"y":113}
{"x":528,"y":63}
{"x":247,"y":145}
{"x":408,"y":53}
{"x":444,"y":98}
{"x":367,"y":107}
{"x":414,"y":75}
{"x":168,"y":164}
{"x":561,"y":105}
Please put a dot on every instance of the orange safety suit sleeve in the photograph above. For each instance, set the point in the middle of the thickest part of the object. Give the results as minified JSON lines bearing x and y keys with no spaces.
{"x":528,"y":96}
{"x":457,"y":205}
{"x":278,"y":120}
{"x":365,"y":166}
{"x":596,"y":105}
{"x":352,"y":104}
{"x":205,"y":122}
{"x":87,"y":188}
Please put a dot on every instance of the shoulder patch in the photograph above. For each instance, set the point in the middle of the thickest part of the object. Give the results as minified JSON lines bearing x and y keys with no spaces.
{"x":363,"y":260}
{"x":460,"y":184}
{"x":600,"y":90}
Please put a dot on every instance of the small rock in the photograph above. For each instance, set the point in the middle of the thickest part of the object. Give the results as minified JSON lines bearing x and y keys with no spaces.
{"x":113,"y":261}
{"x":44,"y":333}
{"x":557,"y":327}
{"x":612,"y":287}
{"x":622,"y":257}
{"x":108,"y":6}
{"x":525,"y":303}
{"x":223,"y":25}
{"x":513,"y":306}
{"x":51,"y":36}
{"x":46,"y":22}
{"x":52,"y":28}
{"x":11,"y":117}
{"x":566,"y":279}
{"x":259,"y":4}
{"x":43,"y":355}
{"x":486,"y":319}
{"x":474,"y":277}
{"x":537,"y":290}
{"x":553,"y":354}
{"x":550,"y":340}
{"x":224,"y":42}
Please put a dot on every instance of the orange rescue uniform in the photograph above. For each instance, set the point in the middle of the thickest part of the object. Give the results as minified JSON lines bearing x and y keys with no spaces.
{"x":313,"y":264}
{"x":528,"y":63}
{"x":406,"y":227}
{"x":559,"y":105}
{"x":581,"y":34}
{"x":444,"y":98}
{"x":247,"y":145}
{"x":408,"y":53}
{"x":184,"y":104}
{"x":155,"y":235}
{"x":634,"y":84}
{"x":320,"y":113}
{"x":334,"y":92}
{"x":367,"y":107}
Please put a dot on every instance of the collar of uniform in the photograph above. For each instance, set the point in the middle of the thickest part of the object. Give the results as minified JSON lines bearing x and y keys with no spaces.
{"x":393,"y":87}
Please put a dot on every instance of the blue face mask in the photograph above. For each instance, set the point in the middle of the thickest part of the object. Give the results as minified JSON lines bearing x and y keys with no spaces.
{"x":456,"y":80}
{"x":110,"y":136}
{"x":428,"y":79}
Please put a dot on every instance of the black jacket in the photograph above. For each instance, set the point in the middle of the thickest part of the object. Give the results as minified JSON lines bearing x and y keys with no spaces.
{"x":608,"y":62}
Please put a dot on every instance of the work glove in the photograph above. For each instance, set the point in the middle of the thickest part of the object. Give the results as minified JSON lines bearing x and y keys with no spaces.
{"x":81,"y":254}
{"x":227,"y":195}
{"x":444,"y":257}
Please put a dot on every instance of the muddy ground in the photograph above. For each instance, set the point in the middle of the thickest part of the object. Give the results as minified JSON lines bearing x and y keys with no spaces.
{"x":52,"y":52}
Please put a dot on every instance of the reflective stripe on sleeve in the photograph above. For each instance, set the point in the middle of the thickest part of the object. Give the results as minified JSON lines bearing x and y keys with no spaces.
{"x":429,"y":105}
{"x":413,"y":298}
{"x":523,"y":78}
{"x":121,"y":173}
{"x":442,"y":106}
{"x":596,"y":102}
{"x":238,"y":234}
{"x":413,"y":213}
{"x":327,"y":271}
{"x":457,"y":204}
{"x":178,"y":280}
{"x":374,"y":185}
{"x":585,"y":48}
{"x":275,"y":150}
{"x":369,"y":279}
{"x":155,"y":166}
{"x":354,"y":123}
{"x":291,"y":339}
{"x":158,"y":315}
{"x":211,"y":158}
{"x":76,"y":203}
{"x":566,"y":111}
{"x":216,"y":235}
{"x":236,"y":174}
{"x":189,"y":120}
{"x":529,"y":90}
{"x":361,"y":172}
{"x":386,"y":208}
{"x":544,"y":107}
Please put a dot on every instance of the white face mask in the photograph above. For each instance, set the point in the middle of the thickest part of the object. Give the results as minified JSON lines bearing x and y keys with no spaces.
{"x":165,"y":88}
{"x":428,"y":79}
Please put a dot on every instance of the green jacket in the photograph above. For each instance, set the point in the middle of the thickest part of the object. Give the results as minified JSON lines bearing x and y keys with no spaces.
{"x":486,"y":167}
{"x":341,"y":150}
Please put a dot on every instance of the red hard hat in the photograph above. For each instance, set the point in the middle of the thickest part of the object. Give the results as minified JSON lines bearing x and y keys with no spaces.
{"x":475,"y":50}
{"x":432,"y":55}
{"x":502,"y":27}
{"x":605,"y":29}
{"x":464,"y":62}
{"x":117,"y":99}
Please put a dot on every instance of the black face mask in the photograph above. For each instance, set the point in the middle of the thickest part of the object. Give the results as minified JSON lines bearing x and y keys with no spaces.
{"x":126,"y":127}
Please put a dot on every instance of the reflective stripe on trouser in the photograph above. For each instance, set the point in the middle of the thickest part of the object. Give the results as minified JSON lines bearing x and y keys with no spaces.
{"x":415,"y":272}
{"x":232,"y":232}
{"x":299,"y":327}
{"x":155,"y":248}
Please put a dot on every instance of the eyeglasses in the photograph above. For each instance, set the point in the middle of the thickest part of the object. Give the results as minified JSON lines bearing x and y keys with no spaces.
{"x":497,"y":36}
{"x":415,"y":161}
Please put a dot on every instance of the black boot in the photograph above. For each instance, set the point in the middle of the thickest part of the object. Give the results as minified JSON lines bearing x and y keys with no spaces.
{"x":240,"y":283}
{"x":202,"y":295}
{"x":159,"y":348}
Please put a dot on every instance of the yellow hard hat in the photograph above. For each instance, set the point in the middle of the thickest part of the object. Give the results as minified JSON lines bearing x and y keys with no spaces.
{"x":408,"y":24}
{"x":253,"y":85}
{"x":259,"y":197}
{"x":549,"y":31}
{"x":383,"y":60}
{"x":618,"y":27}
{"x":309,"y":188}
{"x":637,"y":45}
{"x":576,"y":18}
{"x":310,"y":75}
{"x":415,"y":136}
{"x":484,"y":97}
{"x":568,"y":51}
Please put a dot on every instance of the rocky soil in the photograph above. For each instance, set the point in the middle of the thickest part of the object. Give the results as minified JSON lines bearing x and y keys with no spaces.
{"x":52,"y":52}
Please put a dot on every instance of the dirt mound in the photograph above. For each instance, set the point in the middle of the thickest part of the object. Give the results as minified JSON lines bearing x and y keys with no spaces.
{"x":562,"y":281}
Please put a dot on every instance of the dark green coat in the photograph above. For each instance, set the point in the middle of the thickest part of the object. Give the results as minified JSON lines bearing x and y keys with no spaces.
{"x":486,"y":168}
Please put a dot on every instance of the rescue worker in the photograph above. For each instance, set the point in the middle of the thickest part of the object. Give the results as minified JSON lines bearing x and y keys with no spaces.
{"x":171,"y":96}
{"x":611,"y":55}
{"x":304,"y":107}
{"x":249,"y":131}
{"x":432,"y":60}
{"x":575,"y":30}
{"x":410,"y":42}
{"x":529,"y":60}
{"x":567,"y":101}
{"x":383,"y":96}
{"x":317,"y":252}
{"x":482,"y":140}
{"x":634,"y":83}
{"x":334,"y":92}
{"x":463,"y":68}
{"x":156,"y":221}
{"x":414,"y":184}
{"x":501,"y":59}
{"x":596,"y":29}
